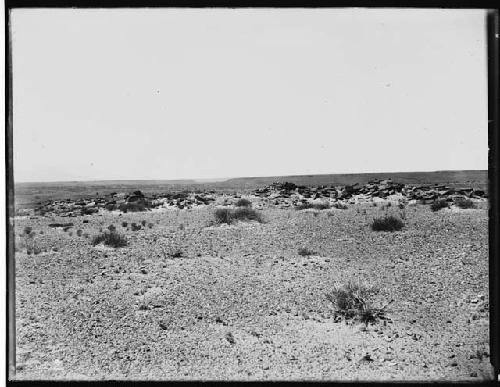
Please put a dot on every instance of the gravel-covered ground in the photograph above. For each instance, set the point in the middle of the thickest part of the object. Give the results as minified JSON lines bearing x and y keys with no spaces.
{"x":240,"y":303}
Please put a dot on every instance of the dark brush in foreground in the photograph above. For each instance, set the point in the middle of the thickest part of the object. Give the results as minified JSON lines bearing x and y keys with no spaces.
{"x":387,"y":223}
{"x":110,"y":238}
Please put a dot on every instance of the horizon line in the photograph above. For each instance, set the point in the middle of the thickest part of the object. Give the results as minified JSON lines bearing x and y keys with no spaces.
{"x":223,"y":179}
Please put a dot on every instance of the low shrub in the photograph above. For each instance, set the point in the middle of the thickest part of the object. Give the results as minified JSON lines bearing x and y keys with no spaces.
{"x":439,"y":204}
{"x":304,"y":251}
{"x":110,"y":238}
{"x":176,"y":254}
{"x":223,"y":215}
{"x":61,"y":225}
{"x":339,"y":206}
{"x":79,"y":233}
{"x":150,"y":225}
{"x":243,"y":203}
{"x":316,"y":206}
{"x":124,"y":224}
{"x":111,"y":228}
{"x":67,"y":228}
{"x":138,"y":206}
{"x":27,"y":230}
{"x":143,"y":222}
{"x":110,"y":206}
{"x":352,"y":300}
{"x":465,"y":203}
{"x":135,"y":227}
{"x":245,"y":213}
{"x":228,"y":216}
{"x":89,"y":210}
{"x":387,"y":223}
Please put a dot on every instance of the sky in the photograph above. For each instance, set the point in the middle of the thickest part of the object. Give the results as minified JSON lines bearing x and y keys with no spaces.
{"x":104,"y":94}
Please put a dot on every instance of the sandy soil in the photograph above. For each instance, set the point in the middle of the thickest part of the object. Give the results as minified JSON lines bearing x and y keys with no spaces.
{"x":241,"y":304}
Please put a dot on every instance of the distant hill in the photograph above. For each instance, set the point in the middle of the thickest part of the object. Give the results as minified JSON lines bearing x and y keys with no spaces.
{"x":476,"y":179}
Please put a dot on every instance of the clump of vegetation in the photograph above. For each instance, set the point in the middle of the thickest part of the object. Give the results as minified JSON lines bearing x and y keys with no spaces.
{"x":89,"y":210}
{"x":67,"y":228}
{"x":245,"y":213}
{"x":352,"y":301}
{"x":465,"y":203}
{"x":110,"y":238}
{"x":339,"y":206}
{"x":53,"y":225}
{"x":304,"y":252}
{"x":181,"y":226}
{"x":228,"y":216}
{"x":124,"y":224}
{"x":143,"y":222}
{"x":150,"y":225}
{"x":223,"y":215}
{"x":177,"y":253}
{"x":138,"y":206}
{"x":135,"y":227}
{"x":243,"y":203}
{"x":111,"y":228}
{"x":79,"y":233}
{"x":439,"y":204}
{"x":110,"y":206}
{"x":316,"y":206}
{"x":387,"y":223}
{"x":28,"y":230}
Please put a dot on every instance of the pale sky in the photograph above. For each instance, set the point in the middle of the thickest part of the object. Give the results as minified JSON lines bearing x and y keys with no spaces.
{"x":203,"y":93}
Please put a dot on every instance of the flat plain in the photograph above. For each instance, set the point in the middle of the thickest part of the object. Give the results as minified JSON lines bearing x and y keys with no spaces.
{"x":191,"y":298}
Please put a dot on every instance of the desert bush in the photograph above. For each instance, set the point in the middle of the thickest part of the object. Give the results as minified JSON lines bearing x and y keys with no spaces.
{"x":304,"y":251}
{"x":79,"y":233}
{"x":110,"y":206}
{"x":439,"y":204}
{"x":124,"y":224}
{"x":143,"y":222}
{"x":133,"y":207}
{"x":387,"y":223}
{"x":228,"y":216}
{"x":89,"y":210}
{"x":86,"y":235}
{"x":67,"y":228}
{"x":401,"y":206}
{"x":316,"y":206}
{"x":243,"y":203}
{"x":27,"y":230}
{"x":352,"y":300}
{"x":61,"y":225}
{"x":245,"y":213}
{"x":135,"y":227}
{"x":223,"y":215}
{"x":110,"y":238}
{"x":465,"y":203}
{"x":340,"y":206}
{"x":177,"y":253}
{"x":150,"y":225}
{"x":181,"y":226}
{"x":111,"y":228}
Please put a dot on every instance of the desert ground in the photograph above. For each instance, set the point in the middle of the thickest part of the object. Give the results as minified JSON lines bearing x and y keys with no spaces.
{"x":191,"y":298}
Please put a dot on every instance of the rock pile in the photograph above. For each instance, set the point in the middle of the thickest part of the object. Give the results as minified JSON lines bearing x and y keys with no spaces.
{"x":283,"y":194}
{"x":383,"y":189}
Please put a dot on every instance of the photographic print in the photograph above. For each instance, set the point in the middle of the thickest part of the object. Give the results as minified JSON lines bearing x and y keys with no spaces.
{"x":257,"y":194}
